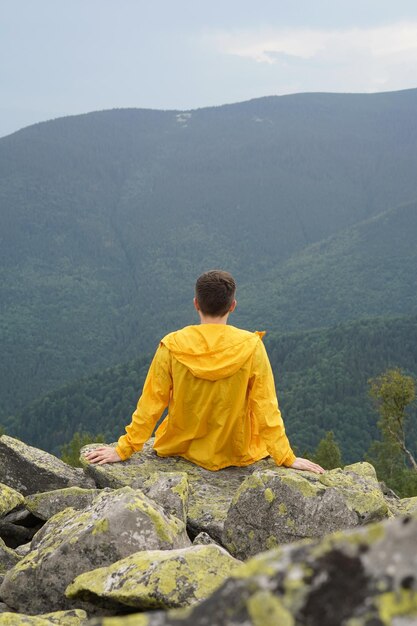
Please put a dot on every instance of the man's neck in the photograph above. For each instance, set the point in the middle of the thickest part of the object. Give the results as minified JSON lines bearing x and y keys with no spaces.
{"x":206,"y":319}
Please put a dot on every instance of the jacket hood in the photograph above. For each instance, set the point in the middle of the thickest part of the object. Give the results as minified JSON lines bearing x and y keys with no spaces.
{"x":212,"y":351}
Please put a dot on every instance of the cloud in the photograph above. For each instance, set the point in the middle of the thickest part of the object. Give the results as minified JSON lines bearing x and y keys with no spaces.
{"x":369,"y":59}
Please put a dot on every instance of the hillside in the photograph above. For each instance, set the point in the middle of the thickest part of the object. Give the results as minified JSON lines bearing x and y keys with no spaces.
{"x":107,"y":218}
{"x":321,"y":378}
{"x":366,"y":270}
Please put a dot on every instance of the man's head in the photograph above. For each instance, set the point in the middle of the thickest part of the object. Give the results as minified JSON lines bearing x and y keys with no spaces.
{"x":215,"y":293}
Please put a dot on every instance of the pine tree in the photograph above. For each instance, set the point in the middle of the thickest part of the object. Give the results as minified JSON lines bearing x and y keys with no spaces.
{"x":395,"y":464}
{"x":328,"y":453}
{"x":70,"y":452}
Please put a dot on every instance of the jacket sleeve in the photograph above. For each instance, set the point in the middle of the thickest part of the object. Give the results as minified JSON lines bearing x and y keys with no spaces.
{"x":152,"y":403}
{"x":264,"y":409}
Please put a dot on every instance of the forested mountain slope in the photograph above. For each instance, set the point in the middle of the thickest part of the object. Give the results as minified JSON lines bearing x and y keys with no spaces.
{"x":107,"y":218}
{"x":321,"y":378}
{"x":368,"y":269}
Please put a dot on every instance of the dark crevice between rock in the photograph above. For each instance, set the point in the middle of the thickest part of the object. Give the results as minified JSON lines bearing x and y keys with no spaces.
{"x":19,"y":527}
{"x":344,"y":588}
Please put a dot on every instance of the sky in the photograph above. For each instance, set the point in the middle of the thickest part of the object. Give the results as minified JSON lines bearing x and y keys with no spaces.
{"x":66,"y":57}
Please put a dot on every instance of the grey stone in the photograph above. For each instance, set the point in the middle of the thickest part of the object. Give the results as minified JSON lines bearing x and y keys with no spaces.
{"x":72,"y":542}
{"x":284,"y":505}
{"x":46,"y":504}
{"x":29,"y":470}
{"x":210,"y":493}
{"x":361,"y":577}
{"x":9,"y":499}
{"x":169,"y":490}
{"x":156,"y":578}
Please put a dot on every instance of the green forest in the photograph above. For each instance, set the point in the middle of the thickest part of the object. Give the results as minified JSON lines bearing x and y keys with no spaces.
{"x":321,"y":379}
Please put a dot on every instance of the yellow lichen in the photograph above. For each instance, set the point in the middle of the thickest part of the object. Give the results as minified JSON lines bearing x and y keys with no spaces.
{"x":102,"y":526}
{"x":269,"y":495}
{"x":265,"y":609}
{"x":394,"y":604}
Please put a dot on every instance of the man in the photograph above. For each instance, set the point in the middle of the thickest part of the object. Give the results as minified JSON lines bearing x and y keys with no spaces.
{"x":217,"y":383}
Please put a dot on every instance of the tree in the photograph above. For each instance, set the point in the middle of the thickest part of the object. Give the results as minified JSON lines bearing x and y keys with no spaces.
{"x":70,"y":452}
{"x":393,"y":393}
{"x":328,"y":453}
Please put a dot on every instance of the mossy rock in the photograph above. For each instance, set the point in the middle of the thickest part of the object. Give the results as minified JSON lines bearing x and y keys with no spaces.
{"x":156,"y":579}
{"x":9,"y":499}
{"x":209,"y":493}
{"x":75,"y":617}
{"x":48,"y":503}
{"x":284,"y":505}
{"x":8,"y":557}
{"x":30,"y":470}
{"x":361,"y":577}
{"x":406,"y":506}
{"x":72,"y":542}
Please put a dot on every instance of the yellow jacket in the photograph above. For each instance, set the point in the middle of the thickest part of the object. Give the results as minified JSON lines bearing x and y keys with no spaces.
{"x":223,"y":409}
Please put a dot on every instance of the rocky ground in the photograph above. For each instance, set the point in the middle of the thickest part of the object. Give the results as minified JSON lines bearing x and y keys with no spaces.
{"x":161,"y":542}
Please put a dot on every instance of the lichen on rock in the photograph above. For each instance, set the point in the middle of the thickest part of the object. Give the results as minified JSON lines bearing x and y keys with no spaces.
{"x":46,"y":504}
{"x":117,"y":524}
{"x":282,"y":505}
{"x":9,"y":499}
{"x":29,"y":470}
{"x":156,"y":579}
{"x":74,"y":617}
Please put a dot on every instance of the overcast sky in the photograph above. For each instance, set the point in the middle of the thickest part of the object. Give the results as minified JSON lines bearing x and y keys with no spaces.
{"x":62,"y":57}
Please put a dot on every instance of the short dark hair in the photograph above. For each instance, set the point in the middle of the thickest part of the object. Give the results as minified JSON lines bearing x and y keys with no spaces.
{"x":215,"y":291}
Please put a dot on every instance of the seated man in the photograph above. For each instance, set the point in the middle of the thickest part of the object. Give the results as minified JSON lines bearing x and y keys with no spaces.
{"x":217,"y":383}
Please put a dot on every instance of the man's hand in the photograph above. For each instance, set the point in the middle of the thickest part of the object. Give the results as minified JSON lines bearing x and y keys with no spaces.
{"x":306,"y":465}
{"x":104,"y":454}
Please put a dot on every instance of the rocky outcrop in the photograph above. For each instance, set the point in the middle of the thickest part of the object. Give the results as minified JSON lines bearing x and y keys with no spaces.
{"x":277,"y":506}
{"x":29,"y":470}
{"x":366,"y":577}
{"x":156,"y":579}
{"x":118,"y":523}
{"x":121,"y":545}
{"x":209,"y":493}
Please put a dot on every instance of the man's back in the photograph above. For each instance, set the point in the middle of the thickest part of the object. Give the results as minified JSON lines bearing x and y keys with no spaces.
{"x":223,"y":410}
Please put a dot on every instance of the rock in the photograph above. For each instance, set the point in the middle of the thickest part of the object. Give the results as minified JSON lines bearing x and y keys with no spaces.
{"x":210,"y":493}
{"x":23,"y":550}
{"x":8,"y":558}
{"x":204,"y":539}
{"x":169,"y":490}
{"x":75,"y":617}
{"x":361,"y":577}
{"x":29,"y":470}
{"x":9,"y":499}
{"x":4,"y":608}
{"x":48,"y":503}
{"x":72,"y":542}
{"x":156,"y":579}
{"x":405,"y":506}
{"x":284,"y":505}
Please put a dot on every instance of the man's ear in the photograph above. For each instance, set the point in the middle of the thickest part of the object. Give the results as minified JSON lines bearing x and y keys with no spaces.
{"x":233,"y":306}
{"x":196,"y":306}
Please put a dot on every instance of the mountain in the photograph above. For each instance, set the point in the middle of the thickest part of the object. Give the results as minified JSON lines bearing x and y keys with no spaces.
{"x":321,"y":378}
{"x":107,"y":218}
{"x":367,"y":269}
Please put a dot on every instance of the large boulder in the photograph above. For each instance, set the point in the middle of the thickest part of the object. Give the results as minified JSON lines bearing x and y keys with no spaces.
{"x":48,"y":503}
{"x":29,"y":470}
{"x":72,"y":542}
{"x":284,"y":505}
{"x":209,"y":493}
{"x":156,"y":579}
{"x":362,"y":577}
